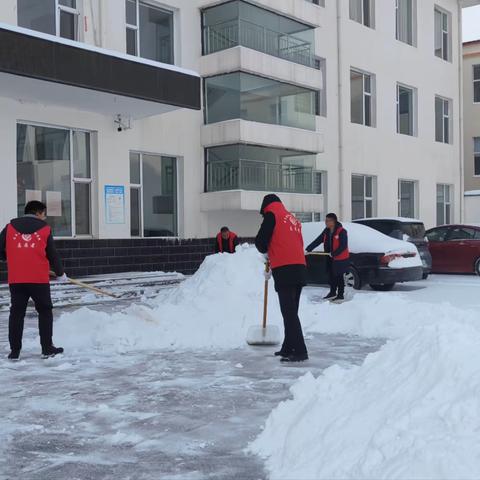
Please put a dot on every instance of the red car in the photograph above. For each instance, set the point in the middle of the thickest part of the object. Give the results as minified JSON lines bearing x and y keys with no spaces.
{"x":455,"y":248}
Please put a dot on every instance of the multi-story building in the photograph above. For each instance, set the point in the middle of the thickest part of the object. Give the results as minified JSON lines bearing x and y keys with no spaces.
{"x":471,"y":129}
{"x":351,"y":106}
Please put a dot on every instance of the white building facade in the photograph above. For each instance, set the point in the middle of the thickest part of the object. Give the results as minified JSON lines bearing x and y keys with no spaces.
{"x":349,"y":106}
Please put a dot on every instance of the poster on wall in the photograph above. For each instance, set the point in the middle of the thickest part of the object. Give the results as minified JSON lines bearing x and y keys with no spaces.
{"x":54,"y":204}
{"x":31,"y":195}
{"x":114,"y":204}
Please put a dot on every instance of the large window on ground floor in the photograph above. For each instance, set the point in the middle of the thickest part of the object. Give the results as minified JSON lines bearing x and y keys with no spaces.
{"x":444,"y":204}
{"x":407,"y":198}
{"x":259,"y":99}
{"x":250,"y":167}
{"x":364,"y":201}
{"x":476,"y":156}
{"x":153,"y":195}
{"x":54,"y":166}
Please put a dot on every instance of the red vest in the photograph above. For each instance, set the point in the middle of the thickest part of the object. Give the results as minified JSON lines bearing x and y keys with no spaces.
{"x":345,"y":255}
{"x":26,"y":256}
{"x":286,"y":244}
{"x":231,"y":237}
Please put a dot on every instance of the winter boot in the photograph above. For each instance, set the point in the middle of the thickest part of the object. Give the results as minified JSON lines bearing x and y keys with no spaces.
{"x":14,"y":355}
{"x":331,"y":295}
{"x":282,"y":353}
{"x":51,"y":351}
{"x":339,"y":298}
{"x":295,"y":357}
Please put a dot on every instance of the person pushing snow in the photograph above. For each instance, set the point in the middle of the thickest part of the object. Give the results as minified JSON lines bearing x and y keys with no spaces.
{"x":27,"y":245}
{"x":280,"y":236}
{"x":335,"y":242}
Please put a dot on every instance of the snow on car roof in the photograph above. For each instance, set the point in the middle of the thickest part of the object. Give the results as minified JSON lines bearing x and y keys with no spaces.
{"x":361,"y":239}
{"x":391,"y":219}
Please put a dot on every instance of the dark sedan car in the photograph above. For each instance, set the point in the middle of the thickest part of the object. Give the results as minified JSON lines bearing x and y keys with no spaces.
{"x":376,"y":260}
{"x":407,"y":229}
{"x":455,"y":248}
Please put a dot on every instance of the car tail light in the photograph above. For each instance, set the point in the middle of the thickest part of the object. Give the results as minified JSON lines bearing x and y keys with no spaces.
{"x":386,"y":259}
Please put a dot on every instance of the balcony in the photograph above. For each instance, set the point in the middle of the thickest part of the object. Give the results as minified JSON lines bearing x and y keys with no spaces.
{"x":246,"y":34}
{"x":260,"y":176}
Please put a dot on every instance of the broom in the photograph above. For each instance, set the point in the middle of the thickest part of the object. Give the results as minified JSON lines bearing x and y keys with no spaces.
{"x":264,"y":334}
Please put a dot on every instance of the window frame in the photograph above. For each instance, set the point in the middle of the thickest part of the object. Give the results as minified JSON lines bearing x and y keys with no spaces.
{"x":71,"y":11}
{"x":371,"y":14}
{"x":366,"y":198}
{"x":445,"y":117}
{"x":476,"y":155}
{"x":415,"y":197}
{"x":448,"y":32}
{"x":139,"y":187}
{"x":137,"y":29}
{"x":414,"y":23}
{"x":371,"y":95}
{"x":475,"y":81}
{"x":73,"y":180}
{"x":414,"y":110}
{"x":445,"y":187}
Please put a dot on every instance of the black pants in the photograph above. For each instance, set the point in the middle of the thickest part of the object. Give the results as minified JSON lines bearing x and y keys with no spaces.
{"x":289,"y":303}
{"x":335,"y":279}
{"x":20,"y":293}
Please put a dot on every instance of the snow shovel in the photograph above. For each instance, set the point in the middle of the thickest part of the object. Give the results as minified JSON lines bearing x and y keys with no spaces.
{"x":264,"y":334}
{"x":89,"y":287}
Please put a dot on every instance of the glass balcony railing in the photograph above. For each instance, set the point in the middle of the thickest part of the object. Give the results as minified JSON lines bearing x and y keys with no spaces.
{"x":257,"y":37}
{"x":259,"y":176}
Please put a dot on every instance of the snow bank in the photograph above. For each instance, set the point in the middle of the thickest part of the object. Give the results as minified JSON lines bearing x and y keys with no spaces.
{"x":411,"y":411}
{"x":361,"y":239}
{"x":212,"y":309}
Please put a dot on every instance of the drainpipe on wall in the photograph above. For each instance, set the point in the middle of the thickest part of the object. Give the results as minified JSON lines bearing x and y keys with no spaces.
{"x":340,"y":113}
{"x":460,"y":110}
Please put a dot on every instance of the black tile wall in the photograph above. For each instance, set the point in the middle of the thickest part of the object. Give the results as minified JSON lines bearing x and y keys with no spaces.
{"x":95,"y":257}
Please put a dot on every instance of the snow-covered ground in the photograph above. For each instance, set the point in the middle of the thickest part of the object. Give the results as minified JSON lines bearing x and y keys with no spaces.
{"x":168,"y":388}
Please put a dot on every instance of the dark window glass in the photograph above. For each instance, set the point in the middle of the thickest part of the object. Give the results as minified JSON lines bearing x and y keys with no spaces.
{"x":37,"y":15}
{"x":462,"y":233}
{"x":437,"y":234}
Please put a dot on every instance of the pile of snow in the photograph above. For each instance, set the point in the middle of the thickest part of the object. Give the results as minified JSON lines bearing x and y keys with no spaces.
{"x":363,"y":239}
{"x":212,"y":309}
{"x":412,"y":410}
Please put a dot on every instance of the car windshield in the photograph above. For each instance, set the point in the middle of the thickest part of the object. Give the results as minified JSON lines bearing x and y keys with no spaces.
{"x":414,"y":230}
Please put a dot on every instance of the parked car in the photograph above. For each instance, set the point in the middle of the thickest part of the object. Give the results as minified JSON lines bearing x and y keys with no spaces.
{"x":455,"y":248}
{"x":376,"y":259}
{"x":407,"y":229}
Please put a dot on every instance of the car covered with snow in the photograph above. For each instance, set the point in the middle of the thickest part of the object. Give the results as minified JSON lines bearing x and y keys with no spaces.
{"x":376,"y":259}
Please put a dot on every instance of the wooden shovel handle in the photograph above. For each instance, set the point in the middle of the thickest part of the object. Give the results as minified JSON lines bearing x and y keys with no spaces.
{"x":88,"y":287}
{"x":265,"y":297}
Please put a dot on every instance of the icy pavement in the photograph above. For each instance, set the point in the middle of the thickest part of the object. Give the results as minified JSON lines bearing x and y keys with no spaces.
{"x":147,"y":415}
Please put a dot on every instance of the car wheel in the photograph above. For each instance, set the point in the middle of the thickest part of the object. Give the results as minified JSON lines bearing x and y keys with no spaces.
{"x":385,"y":287}
{"x":477,"y":266}
{"x":353,"y":279}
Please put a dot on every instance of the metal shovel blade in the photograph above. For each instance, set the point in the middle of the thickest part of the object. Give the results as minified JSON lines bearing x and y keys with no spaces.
{"x":257,"y":335}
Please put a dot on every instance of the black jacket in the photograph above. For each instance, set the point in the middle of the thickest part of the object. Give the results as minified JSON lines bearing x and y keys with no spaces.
{"x":30,"y":224}
{"x":327,"y":235}
{"x":288,"y":275}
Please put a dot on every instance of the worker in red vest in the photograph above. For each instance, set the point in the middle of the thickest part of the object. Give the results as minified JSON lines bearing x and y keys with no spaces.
{"x":27,"y":245}
{"x":226,"y":241}
{"x":280,"y":236}
{"x":335,"y":242}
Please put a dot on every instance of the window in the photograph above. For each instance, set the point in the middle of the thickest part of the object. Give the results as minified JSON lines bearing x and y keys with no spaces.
{"x":362,"y":11}
{"x":251,"y":167}
{"x":361,"y":98}
{"x":153,"y":195}
{"x":258,"y":99}
{"x":476,"y":156}
{"x":443,"y":120}
{"x":444,"y":204}
{"x":476,"y":83}
{"x":443,"y":37}
{"x":407,"y":198}
{"x":437,"y":234}
{"x":406,"y":123}
{"x":406,"y":24}
{"x":54,"y":166}
{"x":317,"y":2}
{"x":149,"y":31}
{"x":461,"y":233}
{"x":235,"y":23}
{"x":363,"y":196}
{"x":56,"y":17}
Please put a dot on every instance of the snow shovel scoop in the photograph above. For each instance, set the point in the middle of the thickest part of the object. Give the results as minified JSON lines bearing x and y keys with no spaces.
{"x":264,"y":334}
{"x":88,"y":287}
